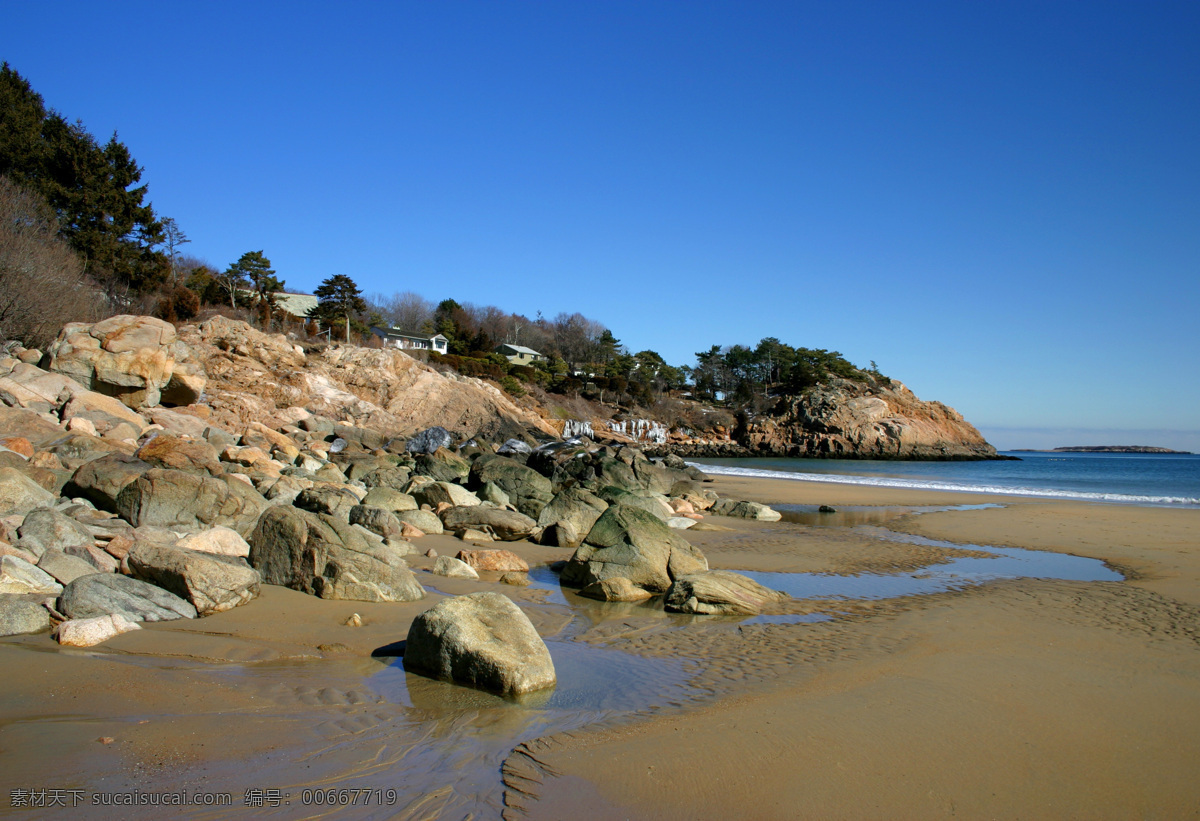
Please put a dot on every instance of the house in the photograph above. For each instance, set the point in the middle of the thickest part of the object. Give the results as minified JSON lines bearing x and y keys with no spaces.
{"x":395,"y":338}
{"x":519,"y":354}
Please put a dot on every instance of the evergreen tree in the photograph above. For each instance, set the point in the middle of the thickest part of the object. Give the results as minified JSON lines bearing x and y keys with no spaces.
{"x":339,"y":297}
{"x":254,"y":269}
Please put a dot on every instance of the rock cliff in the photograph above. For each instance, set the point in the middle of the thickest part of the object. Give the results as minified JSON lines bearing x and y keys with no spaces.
{"x":877,"y":419}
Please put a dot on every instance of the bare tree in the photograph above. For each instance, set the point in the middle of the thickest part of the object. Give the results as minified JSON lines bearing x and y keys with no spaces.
{"x":42,"y":284}
{"x":407,"y":311}
{"x":173,"y":238}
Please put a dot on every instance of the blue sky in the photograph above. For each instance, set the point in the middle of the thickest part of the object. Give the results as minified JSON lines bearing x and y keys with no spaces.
{"x":997,"y":202}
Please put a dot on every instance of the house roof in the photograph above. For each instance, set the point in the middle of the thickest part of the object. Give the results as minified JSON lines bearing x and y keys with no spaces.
{"x":520,"y":349}
{"x":296,"y":304}
{"x":396,"y":333}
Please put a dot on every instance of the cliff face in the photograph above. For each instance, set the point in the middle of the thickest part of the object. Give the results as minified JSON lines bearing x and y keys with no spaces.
{"x":257,"y":377}
{"x":880,"y":419}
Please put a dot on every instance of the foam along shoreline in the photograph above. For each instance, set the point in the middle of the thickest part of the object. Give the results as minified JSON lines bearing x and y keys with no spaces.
{"x":947,"y":486}
{"x":1026,"y":698}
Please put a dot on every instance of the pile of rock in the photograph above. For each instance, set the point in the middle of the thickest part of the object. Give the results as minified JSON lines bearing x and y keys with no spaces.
{"x":116,"y":510}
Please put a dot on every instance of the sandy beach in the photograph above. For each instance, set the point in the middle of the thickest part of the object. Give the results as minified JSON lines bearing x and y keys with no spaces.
{"x":1027,"y":698}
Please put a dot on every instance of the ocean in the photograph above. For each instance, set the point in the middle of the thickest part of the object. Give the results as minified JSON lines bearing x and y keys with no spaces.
{"x":1167,"y":479}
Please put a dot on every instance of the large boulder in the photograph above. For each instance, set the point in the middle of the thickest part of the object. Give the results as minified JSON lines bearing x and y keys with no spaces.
{"x":443,"y":465}
{"x":575,"y":506}
{"x":18,"y":615}
{"x":629,"y":542}
{"x":746,"y":510}
{"x":19,"y":576}
{"x":390,"y":499}
{"x":189,"y":502}
{"x":128,"y":357}
{"x":529,"y":490}
{"x":19,"y":494}
{"x":505,"y":525}
{"x":211,"y":583}
{"x":101,"y":480}
{"x":436,"y":493}
{"x":104,"y":594}
{"x":720,"y":592}
{"x":177,"y":453}
{"x":656,"y":505}
{"x":27,"y":386}
{"x":63,"y":567}
{"x":482,"y":640}
{"x":334,"y":500}
{"x":375,"y":519}
{"x":46,"y":529}
{"x":425,"y":521}
{"x":321,"y":555}
{"x":90,"y":632}
{"x":500,"y":561}
{"x":453,"y":568}
{"x":429,"y":440}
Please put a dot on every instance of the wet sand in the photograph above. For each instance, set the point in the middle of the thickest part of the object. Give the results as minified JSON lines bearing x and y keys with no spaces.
{"x":1024,"y":698}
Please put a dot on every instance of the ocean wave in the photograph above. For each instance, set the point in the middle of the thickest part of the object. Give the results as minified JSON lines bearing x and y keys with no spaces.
{"x":958,"y":487}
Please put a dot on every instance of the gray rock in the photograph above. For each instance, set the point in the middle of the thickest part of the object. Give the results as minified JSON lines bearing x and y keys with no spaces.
{"x":321,"y":555}
{"x":190,"y":502}
{"x":329,"y":499}
{"x":19,"y":576}
{"x":64,"y":568}
{"x":390,"y":499}
{"x":211,"y":583}
{"x":429,"y":440}
{"x":720,"y":592}
{"x":492,"y":492}
{"x":618,"y":589}
{"x":529,"y":490}
{"x":101,"y":480}
{"x":511,"y":446}
{"x":47,"y":529}
{"x":629,"y":542}
{"x":746,"y":510}
{"x":653,"y":504}
{"x":375,"y":519}
{"x":482,"y":641}
{"x":453,"y":568}
{"x":423,"y":520}
{"x":19,"y":616}
{"x":19,"y":494}
{"x":435,"y":493}
{"x":103,"y":594}
{"x":576,"y":507}
{"x":442,"y":465}
{"x":506,"y":525}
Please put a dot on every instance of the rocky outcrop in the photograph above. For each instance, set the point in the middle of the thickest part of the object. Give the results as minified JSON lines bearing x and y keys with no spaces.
{"x":877,"y":419}
{"x":482,"y":641}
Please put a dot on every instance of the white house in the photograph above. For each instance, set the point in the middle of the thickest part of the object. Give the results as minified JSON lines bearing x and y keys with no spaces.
{"x":394,"y":338}
{"x":519,"y":354}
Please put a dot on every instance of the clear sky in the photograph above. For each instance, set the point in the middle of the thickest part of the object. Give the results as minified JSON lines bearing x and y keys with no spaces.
{"x":998,"y":202}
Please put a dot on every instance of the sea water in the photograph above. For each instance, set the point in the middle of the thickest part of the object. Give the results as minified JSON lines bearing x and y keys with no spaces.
{"x":1166,"y":479}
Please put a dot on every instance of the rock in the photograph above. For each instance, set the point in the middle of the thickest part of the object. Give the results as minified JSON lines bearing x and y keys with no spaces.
{"x":431,"y":553}
{"x":680,"y":522}
{"x":629,"y":542}
{"x":436,"y":493}
{"x":720,"y":592}
{"x":129,"y":357}
{"x":826,"y":509}
{"x":19,"y":616}
{"x":189,"y":502}
{"x":454,"y":568}
{"x":442,"y":465}
{"x":475,"y":536}
{"x":65,"y":569}
{"x":506,"y":525}
{"x":516,"y":579}
{"x":512,"y":446}
{"x":482,"y":640}
{"x":103,"y":594}
{"x":218,"y":541}
{"x":30,"y":387}
{"x":560,"y":534}
{"x":19,"y":576}
{"x":333,"y":500}
{"x":576,"y":507}
{"x":408,"y":531}
{"x":492,"y":492}
{"x":425,"y":521}
{"x":376,"y":519}
{"x":495,"y":560}
{"x":746,"y":510}
{"x":529,"y":491}
{"x":18,"y":445}
{"x":19,"y":494}
{"x":46,"y":529}
{"x":617,"y":588}
{"x":321,"y":555}
{"x":390,"y":499}
{"x":101,"y":480}
{"x":211,"y":583}
{"x":90,"y":632}
{"x":429,"y":440}
{"x":101,"y":561}
{"x":175,"y":453}
{"x":653,"y":504}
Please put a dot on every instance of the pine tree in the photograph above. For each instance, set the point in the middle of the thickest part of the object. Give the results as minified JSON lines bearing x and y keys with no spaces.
{"x":338,"y":297}
{"x":253,"y":272}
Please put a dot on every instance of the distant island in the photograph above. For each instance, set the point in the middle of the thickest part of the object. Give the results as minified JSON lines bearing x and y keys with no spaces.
{"x":1106,"y":449}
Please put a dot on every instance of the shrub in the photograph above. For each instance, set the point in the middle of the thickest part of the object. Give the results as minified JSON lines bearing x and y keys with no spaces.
{"x":512,"y":386}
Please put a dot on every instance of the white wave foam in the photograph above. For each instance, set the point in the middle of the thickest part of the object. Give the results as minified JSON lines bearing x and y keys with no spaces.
{"x":927,"y":484}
